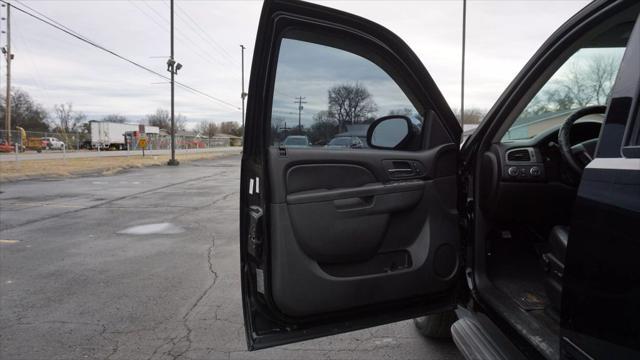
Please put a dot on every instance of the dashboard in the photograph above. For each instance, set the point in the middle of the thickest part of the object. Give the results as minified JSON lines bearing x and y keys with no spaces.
{"x":538,"y":159}
{"x":528,"y":181}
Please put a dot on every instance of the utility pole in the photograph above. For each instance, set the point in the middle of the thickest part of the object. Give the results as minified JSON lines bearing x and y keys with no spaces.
{"x":243,"y":94}
{"x":464,"y":37}
{"x":299,"y":101}
{"x":173,"y":69}
{"x":9,"y":56}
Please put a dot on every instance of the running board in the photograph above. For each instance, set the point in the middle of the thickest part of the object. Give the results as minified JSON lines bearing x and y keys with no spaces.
{"x":478,"y":338}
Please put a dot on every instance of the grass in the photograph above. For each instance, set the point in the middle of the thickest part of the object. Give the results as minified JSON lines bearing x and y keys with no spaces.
{"x":28,"y":169}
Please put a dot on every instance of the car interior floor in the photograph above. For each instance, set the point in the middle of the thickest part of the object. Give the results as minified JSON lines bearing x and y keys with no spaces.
{"x":516,"y":269}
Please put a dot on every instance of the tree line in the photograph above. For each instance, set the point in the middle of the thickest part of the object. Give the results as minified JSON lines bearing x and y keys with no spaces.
{"x":32,"y":116}
{"x":583,"y":83}
{"x":348,"y":104}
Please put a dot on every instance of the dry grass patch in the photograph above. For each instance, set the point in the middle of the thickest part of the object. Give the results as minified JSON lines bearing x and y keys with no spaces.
{"x":26,"y":169}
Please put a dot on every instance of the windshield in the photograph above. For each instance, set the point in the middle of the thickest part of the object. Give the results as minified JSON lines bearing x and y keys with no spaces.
{"x":585,"y":79}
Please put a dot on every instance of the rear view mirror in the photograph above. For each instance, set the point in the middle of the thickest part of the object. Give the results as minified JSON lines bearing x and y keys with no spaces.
{"x":389,"y":132}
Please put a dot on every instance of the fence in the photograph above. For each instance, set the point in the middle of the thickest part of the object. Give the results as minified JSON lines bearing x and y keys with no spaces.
{"x":82,"y":141}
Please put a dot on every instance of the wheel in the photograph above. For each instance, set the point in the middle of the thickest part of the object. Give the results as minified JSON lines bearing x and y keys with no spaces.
{"x":436,"y":326}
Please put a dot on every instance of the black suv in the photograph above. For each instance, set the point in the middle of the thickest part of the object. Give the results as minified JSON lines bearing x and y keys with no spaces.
{"x":522,"y":243}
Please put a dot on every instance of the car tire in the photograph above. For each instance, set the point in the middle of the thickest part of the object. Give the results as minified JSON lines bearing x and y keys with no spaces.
{"x":436,"y":326}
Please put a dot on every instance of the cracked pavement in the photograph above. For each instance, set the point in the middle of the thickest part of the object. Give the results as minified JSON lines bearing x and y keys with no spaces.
{"x":73,"y":287}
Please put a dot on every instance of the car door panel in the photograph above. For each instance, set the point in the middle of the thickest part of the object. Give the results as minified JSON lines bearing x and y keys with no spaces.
{"x":362,"y":240}
{"x":337,"y":239}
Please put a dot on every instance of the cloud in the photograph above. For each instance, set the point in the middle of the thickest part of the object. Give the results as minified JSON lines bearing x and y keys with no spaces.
{"x":57,"y":68}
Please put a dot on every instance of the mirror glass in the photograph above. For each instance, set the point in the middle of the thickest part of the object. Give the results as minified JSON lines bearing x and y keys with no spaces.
{"x":389,"y":133}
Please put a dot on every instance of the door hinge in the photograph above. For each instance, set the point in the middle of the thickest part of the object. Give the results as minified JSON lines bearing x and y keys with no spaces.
{"x":282,"y":150}
{"x":254,"y":242}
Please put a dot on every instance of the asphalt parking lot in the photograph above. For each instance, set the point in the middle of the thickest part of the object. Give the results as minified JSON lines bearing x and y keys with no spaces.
{"x":145,"y":265}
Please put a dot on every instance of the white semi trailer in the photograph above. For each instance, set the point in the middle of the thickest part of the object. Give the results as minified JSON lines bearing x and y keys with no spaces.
{"x":110,"y":135}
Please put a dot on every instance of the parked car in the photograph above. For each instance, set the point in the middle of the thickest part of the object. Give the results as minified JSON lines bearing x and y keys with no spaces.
{"x":352,"y":142}
{"x":296,"y":141}
{"x":52,"y":143}
{"x":518,"y":247}
{"x":5,"y":146}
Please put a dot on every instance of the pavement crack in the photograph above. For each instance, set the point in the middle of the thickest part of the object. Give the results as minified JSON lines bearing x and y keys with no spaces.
{"x":186,"y":317}
{"x":115,"y":343}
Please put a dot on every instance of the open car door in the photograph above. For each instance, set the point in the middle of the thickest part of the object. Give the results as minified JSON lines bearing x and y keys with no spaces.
{"x":340,"y":235}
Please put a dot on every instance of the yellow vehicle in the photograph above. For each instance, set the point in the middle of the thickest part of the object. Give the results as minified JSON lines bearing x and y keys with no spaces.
{"x":31,"y":143}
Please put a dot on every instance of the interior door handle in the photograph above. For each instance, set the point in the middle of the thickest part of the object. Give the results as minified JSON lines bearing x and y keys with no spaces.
{"x":401,"y":172}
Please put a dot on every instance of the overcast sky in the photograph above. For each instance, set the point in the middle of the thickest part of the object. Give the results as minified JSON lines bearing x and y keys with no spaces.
{"x":56,"y":68}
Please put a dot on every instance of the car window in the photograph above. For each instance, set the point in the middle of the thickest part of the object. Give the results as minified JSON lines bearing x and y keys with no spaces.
{"x":331,"y":96}
{"x":585,"y":79}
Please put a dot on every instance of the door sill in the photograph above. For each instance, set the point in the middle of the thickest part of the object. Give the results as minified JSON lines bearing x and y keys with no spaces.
{"x":478,"y":338}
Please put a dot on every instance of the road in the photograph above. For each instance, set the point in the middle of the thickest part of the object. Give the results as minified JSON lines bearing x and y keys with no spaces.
{"x":57,"y":154}
{"x":145,"y":265}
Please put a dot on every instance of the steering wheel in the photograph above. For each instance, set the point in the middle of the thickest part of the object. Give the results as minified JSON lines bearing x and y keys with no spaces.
{"x":579,"y":155}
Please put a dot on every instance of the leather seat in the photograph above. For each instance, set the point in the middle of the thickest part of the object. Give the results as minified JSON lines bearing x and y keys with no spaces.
{"x":554,"y":265}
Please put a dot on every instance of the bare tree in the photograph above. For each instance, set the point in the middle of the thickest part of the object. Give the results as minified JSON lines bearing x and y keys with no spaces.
{"x":25,"y":112}
{"x":230,"y":127}
{"x":584,"y":83}
{"x":162,"y":119}
{"x":324,"y":128}
{"x":471,"y":115}
{"x":578,"y":86}
{"x":208,"y":129}
{"x":68,"y":119}
{"x":404,"y":112}
{"x":63,"y":115}
{"x":116,"y":118}
{"x":351,"y":104}
{"x":601,"y":72}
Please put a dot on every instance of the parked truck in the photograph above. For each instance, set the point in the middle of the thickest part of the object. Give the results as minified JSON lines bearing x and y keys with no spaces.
{"x":109,"y":135}
{"x":30,"y":142}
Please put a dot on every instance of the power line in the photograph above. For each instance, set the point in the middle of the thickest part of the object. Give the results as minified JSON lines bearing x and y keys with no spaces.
{"x":46,"y":17}
{"x":80,"y":37}
{"x":202,"y":33}
{"x":198,"y":50}
{"x":163,"y":27}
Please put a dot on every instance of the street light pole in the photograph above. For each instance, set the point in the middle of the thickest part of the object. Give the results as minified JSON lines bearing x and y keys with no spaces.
{"x":9,"y":57}
{"x":171,"y":63}
{"x":243,"y":94}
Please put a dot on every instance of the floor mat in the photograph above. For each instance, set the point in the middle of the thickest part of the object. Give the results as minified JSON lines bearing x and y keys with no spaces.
{"x":515,"y":269}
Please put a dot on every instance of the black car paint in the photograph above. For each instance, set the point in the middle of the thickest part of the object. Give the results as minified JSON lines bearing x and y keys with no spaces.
{"x":601,"y":296}
{"x":583,"y":330}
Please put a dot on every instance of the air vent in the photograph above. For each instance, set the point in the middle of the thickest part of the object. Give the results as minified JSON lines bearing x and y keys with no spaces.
{"x":519,"y":155}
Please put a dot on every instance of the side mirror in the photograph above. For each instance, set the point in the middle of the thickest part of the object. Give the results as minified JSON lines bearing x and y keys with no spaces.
{"x":389,"y":132}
